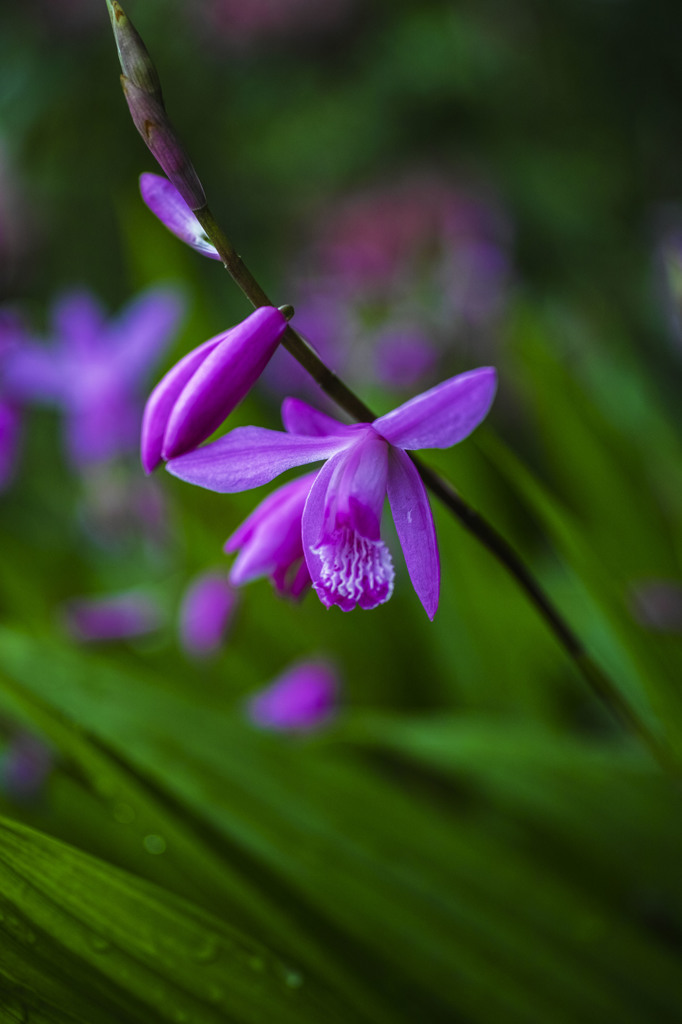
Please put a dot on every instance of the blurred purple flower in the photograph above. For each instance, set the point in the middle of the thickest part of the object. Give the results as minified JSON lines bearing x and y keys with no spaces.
{"x":95,"y":370}
{"x":269,"y":540}
{"x":206,"y":611}
{"x":400,"y":281}
{"x":24,"y":767}
{"x":67,"y":17}
{"x":239,"y":25}
{"x":119,"y":506}
{"x":11,"y":335}
{"x":9,"y":441}
{"x":403,"y":356}
{"x":657,"y":604}
{"x":348,"y":562}
{"x":200,"y":391}
{"x":302,"y":699}
{"x":113,"y":617}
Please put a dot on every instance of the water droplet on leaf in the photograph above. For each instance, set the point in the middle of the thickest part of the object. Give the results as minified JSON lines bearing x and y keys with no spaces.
{"x":123,"y":812}
{"x":154,"y":844}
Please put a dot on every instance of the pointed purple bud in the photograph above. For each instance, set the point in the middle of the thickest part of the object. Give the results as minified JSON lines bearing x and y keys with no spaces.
{"x":303,"y":699}
{"x":136,"y":64}
{"x":200,"y":391}
{"x":167,"y":204}
{"x":152,"y":123}
{"x":206,"y":612}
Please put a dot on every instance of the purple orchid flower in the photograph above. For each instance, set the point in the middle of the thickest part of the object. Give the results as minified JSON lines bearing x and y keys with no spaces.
{"x":302,"y":699}
{"x":269,"y":540}
{"x":200,"y":391}
{"x":348,"y":562}
{"x":206,"y":612}
{"x":94,"y":370}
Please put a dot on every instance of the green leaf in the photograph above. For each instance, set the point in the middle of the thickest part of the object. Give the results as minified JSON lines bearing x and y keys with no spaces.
{"x":440,"y":912}
{"x":86,"y":942}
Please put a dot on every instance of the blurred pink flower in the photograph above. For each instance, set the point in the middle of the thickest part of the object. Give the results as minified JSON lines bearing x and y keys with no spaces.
{"x":206,"y":612}
{"x":657,"y":604}
{"x":240,"y":26}
{"x":401,"y":282}
{"x":303,"y":699}
{"x":119,"y":506}
{"x":25,"y":766}
{"x":111,"y":617}
{"x":11,"y":334}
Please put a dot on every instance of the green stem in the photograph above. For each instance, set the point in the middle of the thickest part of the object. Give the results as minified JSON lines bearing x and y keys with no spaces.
{"x":473,"y":521}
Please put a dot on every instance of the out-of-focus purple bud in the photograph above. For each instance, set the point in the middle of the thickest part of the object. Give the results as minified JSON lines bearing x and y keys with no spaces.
{"x":11,"y":335}
{"x":657,"y":605}
{"x":206,"y":612}
{"x":9,"y":441}
{"x":302,"y":699}
{"x":115,"y":617}
{"x":152,"y":123}
{"x":136,"y":64}
{"x":269,"y":540}
{"x":24,"y":767}
{"x":200,"y":391}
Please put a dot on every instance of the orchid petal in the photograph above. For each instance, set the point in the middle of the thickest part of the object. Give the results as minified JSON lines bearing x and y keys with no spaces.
{"x":248,"y":457}
{"x":166,"y":203}
{"x":442,"y":416}
{"x":275,"y":503}
{"x":347,"y":568}
{"x":416,"y":531}
{"x":162,"y":399}
{"x":33,"y":371}
{"x":300,"y":418}
{"x":79,"y":323}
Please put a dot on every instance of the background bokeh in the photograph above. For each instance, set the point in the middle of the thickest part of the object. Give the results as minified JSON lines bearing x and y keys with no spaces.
{"x":434,"y":186}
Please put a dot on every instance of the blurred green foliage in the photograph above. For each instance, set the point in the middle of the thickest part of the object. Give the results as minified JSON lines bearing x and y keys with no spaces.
{"x":475,"y":839}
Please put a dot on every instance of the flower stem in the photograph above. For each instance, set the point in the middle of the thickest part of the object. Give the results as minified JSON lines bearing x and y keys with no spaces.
{"x":600,"y":684}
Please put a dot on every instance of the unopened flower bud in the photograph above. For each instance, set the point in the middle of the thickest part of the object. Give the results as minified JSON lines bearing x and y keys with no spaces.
{"x":142,"y":90}
{"x":151,"y":121}
{"x":136,"y":64}
{"x":303,"y":699}
{"x":200,"y":391}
